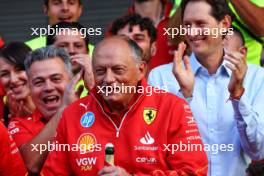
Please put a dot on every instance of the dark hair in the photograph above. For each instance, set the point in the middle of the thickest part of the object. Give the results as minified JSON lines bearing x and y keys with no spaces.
{"x":135,"y":19}
{"x":256,"y":169}
{"x":66,"y":25}
{"x":15,"y":53}
{"x":46,"y":2}
{"x":219,"y":8}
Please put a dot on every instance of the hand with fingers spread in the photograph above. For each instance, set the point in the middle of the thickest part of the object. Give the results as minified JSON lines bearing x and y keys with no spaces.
{"x":86,"y":64}
{"x":182,"y":71}
{"x":237,"y":64}
{"x":113,"y":171}
{"x":70,"y":95}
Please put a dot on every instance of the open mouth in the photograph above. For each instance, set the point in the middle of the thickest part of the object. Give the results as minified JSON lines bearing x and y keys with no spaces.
{"x":51,"y":101}
{"x":66,"y":19}
{"x":198,"y":40}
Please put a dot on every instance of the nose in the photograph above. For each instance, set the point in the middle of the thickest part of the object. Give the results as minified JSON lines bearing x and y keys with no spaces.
{"x":13,"y":77}
{"x":48,"y":87}
{"x":109,"y":77}
{"x":65,"y":6}
{"x":71,"y":50}
{"x":194,"y":30}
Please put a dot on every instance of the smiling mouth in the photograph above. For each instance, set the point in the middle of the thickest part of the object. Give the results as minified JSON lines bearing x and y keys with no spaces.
{"x":50,"y":100}
{"x":17,"y":88}
{"x":67,"y":19}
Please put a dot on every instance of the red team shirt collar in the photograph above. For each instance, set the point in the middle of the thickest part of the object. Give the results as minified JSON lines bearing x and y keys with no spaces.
{"x":38,"y":116}
{"x":137,"y":95}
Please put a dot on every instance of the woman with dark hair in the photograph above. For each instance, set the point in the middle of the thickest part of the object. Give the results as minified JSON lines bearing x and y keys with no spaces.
{"x":14,"y":79}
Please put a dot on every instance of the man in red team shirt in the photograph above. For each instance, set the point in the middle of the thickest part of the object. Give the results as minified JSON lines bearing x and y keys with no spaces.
{"x":49,"y":72}
{"x":11,"y":163}
{"x":144,"y":125}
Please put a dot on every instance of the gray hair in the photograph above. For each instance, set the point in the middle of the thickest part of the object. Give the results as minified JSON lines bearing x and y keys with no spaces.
{"x":136,"y":51}
{"x":46,"y":53}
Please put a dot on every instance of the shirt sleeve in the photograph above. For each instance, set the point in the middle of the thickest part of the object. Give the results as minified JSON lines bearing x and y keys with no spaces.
{"x":11,"y":162}
{"x":51,"y":166}
{"x":185,"y":150}
{"x":154,"y":78}
{"x":249,"y":114}
{"x":19,"y":132}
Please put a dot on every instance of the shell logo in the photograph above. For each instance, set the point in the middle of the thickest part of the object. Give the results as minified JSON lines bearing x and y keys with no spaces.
{"x":87,"y":142}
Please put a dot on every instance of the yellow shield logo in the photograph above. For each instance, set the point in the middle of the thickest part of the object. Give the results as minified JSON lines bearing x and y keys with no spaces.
{"x":149,"y":115}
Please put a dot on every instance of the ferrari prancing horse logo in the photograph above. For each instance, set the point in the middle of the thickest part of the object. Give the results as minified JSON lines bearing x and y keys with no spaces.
{"x":149,"y":115}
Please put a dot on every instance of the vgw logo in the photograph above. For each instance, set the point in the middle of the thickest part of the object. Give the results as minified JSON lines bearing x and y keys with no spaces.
{"x":86,"y":164}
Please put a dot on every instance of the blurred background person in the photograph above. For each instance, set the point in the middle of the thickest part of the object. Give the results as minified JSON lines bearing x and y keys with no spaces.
{"x":14,"y":80}
{"x":58,"y":11}
{"x":159,"y":12}
{"x":249,"y":15}
{"x":75,"y":44}
{"x":139,"y":29}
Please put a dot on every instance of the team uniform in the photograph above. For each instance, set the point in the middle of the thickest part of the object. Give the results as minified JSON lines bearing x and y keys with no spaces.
{"x":142,"y":136}
{"x":11,"y":163}
{"x":24,"y":129}
{"x":164,"y":52}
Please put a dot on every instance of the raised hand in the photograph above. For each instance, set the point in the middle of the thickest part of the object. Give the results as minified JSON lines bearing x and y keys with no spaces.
{"x":86,"y":63}
{"x":18,"y":108}
{"x":70,"y":95}
{"x":112,"y":171}
{"x":238,"y":66}
{"x":182,"y":71}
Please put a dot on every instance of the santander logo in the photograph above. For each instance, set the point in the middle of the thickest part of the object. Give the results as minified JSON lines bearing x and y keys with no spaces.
{"x":147,"y":139}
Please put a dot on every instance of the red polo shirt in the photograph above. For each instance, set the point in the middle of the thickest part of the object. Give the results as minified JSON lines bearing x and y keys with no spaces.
{"x":24,"y":129}
{"x":11,"y":163}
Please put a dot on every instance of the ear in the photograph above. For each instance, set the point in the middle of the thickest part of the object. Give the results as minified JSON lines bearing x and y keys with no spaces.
{"x":243,"y":50}
{"x":142,"y":68}
{"x":153,"y":48}
{"x":80,"y":10}
{"x":226,"y":22}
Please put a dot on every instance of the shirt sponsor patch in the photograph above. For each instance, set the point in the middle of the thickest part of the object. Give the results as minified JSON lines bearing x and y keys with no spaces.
{"x":147,"y":139}
{"x":87,"y":119}
{"x":149,"y":115}
{"x":86,"y":164}
{"x":87,"y":143}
